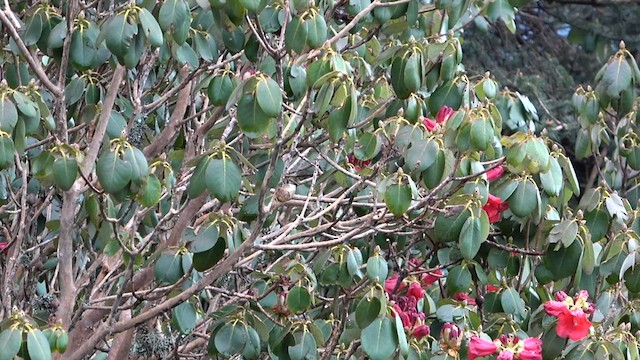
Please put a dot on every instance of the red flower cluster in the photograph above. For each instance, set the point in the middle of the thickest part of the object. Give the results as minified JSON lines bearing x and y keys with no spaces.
{"x":572,"y":314}
{"x":357,"y":164}
{"x":494,"y":208}
{"x":508,"y":347}
{"x":405,"y":306}
{"x":442,"y":116}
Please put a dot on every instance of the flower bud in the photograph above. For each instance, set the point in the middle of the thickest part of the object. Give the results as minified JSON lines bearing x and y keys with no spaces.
{"x":421,"y":331}
{"x":451,"y":336}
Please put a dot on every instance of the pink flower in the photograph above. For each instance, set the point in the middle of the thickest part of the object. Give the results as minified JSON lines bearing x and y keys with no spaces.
{"x":415,"y":290}
{"x":4,"y":247}
{"x":390,"y":284}
{"x":431,"y":277}
{"x":530,"y":355}
{"x":444,"y":114}
{"x":505,"y":355}
{"x":555,"y":308}
{"x":479,"y":347}
{"x":532,"y":344}
{"x":357,"y":163}
{"x":429,"y":124}
{"x":421,"y":331}
{"x":494,"y":208}
{"x":495,"y":173}
{"x":573,"y":325}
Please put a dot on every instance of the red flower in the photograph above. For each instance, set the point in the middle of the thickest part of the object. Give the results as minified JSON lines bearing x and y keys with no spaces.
{"x":495,"y":173}
{"x":421,"y":331}
{"x":429,"y":124}
{"x":431,"y":277}
{"x":415,"y":290}
{"x":444,"y":114}
{"x":465,"y":297}
{"x":491,"y":288}
{"x":406,"y":321}
{"x":390,"y":284}
{"x":3,"y":247}
{"x":479,"y":347}
{"x":573,"y":325}
{"x":494,"y":208}
{"x":555,"y":308}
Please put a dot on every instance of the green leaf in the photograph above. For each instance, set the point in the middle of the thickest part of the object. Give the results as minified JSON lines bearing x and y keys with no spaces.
{"x":151,"y":191}
{"x":223,"y":179}
{"x":296,"y":35}
{"x":367,"y":146}
{"x":118,"y":35}
{"x":421,"y":154}
{"x":305,"y":348}
{"x":8,"y":115}
{"x":205,"y":239}
{"x":448,"y":228}
{"x":367,"y":311}
{"x":251,"y":118}
{"x":38,"y":345}
{"x":113,"y":173}
{"x":412,"y":73}
{"x":316,"y":29}
{"x":7,"y":151}
{"x":481,"y":133}
{"x":139,"y":164}
{"x":448,"y":94}
{"x":231,"y":338}
{"x":207,"y":259}
{"x":173,"y":15}
{"x":185,"y":317}
{"x":617,"y":77}
{"x":220,"y":89}
{"x":564,"y":261}
{"x":65,"y":171}
{"x":298,"y":299}
{"x":377,"y":269}
{"x":33,"y":29}
{"x":252,"y":348}
{"x":10,"y":343}
{"x":379,"y":339}
{"x":206,"y":46}
{"x":338,"y":121}
{"x":269,"y":97}
{"x":168,"y":269}
{"x":150,"y":27}
{"x":397,"y":197}
{"x":524,"y":200}
{"x":459,"y":279}
{"x":402,"y":336}
{"x":472,"y":235}
{"x":512,"y":303}
{"x":552,"y":180}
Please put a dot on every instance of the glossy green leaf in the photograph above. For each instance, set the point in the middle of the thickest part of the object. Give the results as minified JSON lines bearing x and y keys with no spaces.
{"x":205,"y":239}
{"x":251,"y":117}
{"x":118,"y":34}
{"x":296,"y":35}
{"x":512,"y":303}
{"x":168,"y":269}
{"x":377,"y":269}
{"x":151,"y":191}
{"x":397,"y":197}
{"x":367,"y":311}
{"x":150,"y":27}
{"x":139,"y":164}
{"x":223,"y":179}
{"x":185,"y":317}
{"x":207,"y":259}
{"x":231,"y":338}
{"x":481,"y":133}
{"x":38,"y":345}
{"x":459,"y":279}
{"x":8,"y":115}
{"x":269,"y":97}
{"x":173,"y":15}
{"x":220,"y":89}
{"x":316,"y":30}
{"x":113,"y":173}
{"x":298,"y":299}
{"x":7,"y":151}
{"x":552,"y":181}
{"x":379,"y":339}
{"x":473,"y":233}
{"x":617,"y":76}
{"x":523,"y":201}
{"x":448,"y":94}
{"x":421,"y":155}
{"x":65,"y":172}
{"x":305,"y":348}
{"x":564,"y":261}
{"x":10,"y":342}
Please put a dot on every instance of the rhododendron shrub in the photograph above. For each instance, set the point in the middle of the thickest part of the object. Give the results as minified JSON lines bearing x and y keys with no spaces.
{"x":189,"y":179}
